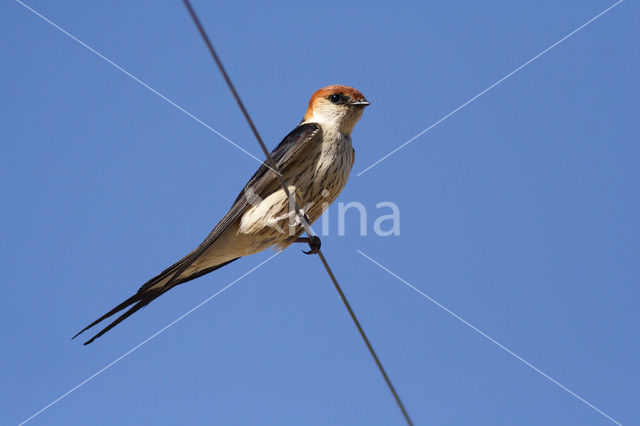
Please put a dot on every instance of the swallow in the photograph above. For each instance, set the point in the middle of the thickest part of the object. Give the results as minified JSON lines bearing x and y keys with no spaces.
{"x":314,"y":159}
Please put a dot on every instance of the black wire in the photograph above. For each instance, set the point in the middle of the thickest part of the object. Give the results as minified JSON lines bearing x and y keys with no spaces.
{"x":273,"y":166}
{"x":366,"y":339}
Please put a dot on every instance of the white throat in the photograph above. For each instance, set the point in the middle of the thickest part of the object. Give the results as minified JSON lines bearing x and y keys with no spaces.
{"x":336,"y":119}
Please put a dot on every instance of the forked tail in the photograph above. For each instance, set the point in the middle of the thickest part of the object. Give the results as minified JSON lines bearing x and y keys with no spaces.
{"x":152,"y":289}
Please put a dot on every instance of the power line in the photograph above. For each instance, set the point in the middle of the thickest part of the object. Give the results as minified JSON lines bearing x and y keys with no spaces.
{"x":293,"y":203}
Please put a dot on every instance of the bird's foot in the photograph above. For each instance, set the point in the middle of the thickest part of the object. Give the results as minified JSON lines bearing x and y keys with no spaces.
{"x":314,"y":244}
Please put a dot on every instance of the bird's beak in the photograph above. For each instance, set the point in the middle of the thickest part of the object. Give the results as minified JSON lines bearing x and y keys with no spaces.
{"x":360,"y":103}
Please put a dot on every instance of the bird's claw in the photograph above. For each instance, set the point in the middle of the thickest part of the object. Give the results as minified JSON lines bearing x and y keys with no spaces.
{"x":314,"y":244}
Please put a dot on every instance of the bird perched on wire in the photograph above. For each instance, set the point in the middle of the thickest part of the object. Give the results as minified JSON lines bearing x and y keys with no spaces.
{"x":314,"y":160}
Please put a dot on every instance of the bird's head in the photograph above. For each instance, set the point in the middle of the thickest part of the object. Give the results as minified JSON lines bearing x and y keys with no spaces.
{"x":337,"y":106}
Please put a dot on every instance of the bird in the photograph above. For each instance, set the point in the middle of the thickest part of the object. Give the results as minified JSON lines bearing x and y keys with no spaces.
{"x":314,"y":160}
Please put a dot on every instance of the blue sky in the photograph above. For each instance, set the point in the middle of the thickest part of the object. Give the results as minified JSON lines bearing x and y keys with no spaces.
{"x":519,"y":213}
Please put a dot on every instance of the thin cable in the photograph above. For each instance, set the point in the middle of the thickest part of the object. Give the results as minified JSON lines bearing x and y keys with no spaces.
{"x":292,"y":202}
{"x":366,"y":340}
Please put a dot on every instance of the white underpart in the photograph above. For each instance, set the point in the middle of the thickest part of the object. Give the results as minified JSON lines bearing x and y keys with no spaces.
{"x":263,"y":214}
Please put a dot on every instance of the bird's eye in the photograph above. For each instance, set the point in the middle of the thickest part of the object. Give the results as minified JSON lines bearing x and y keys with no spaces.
{"x":336,"y":98}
